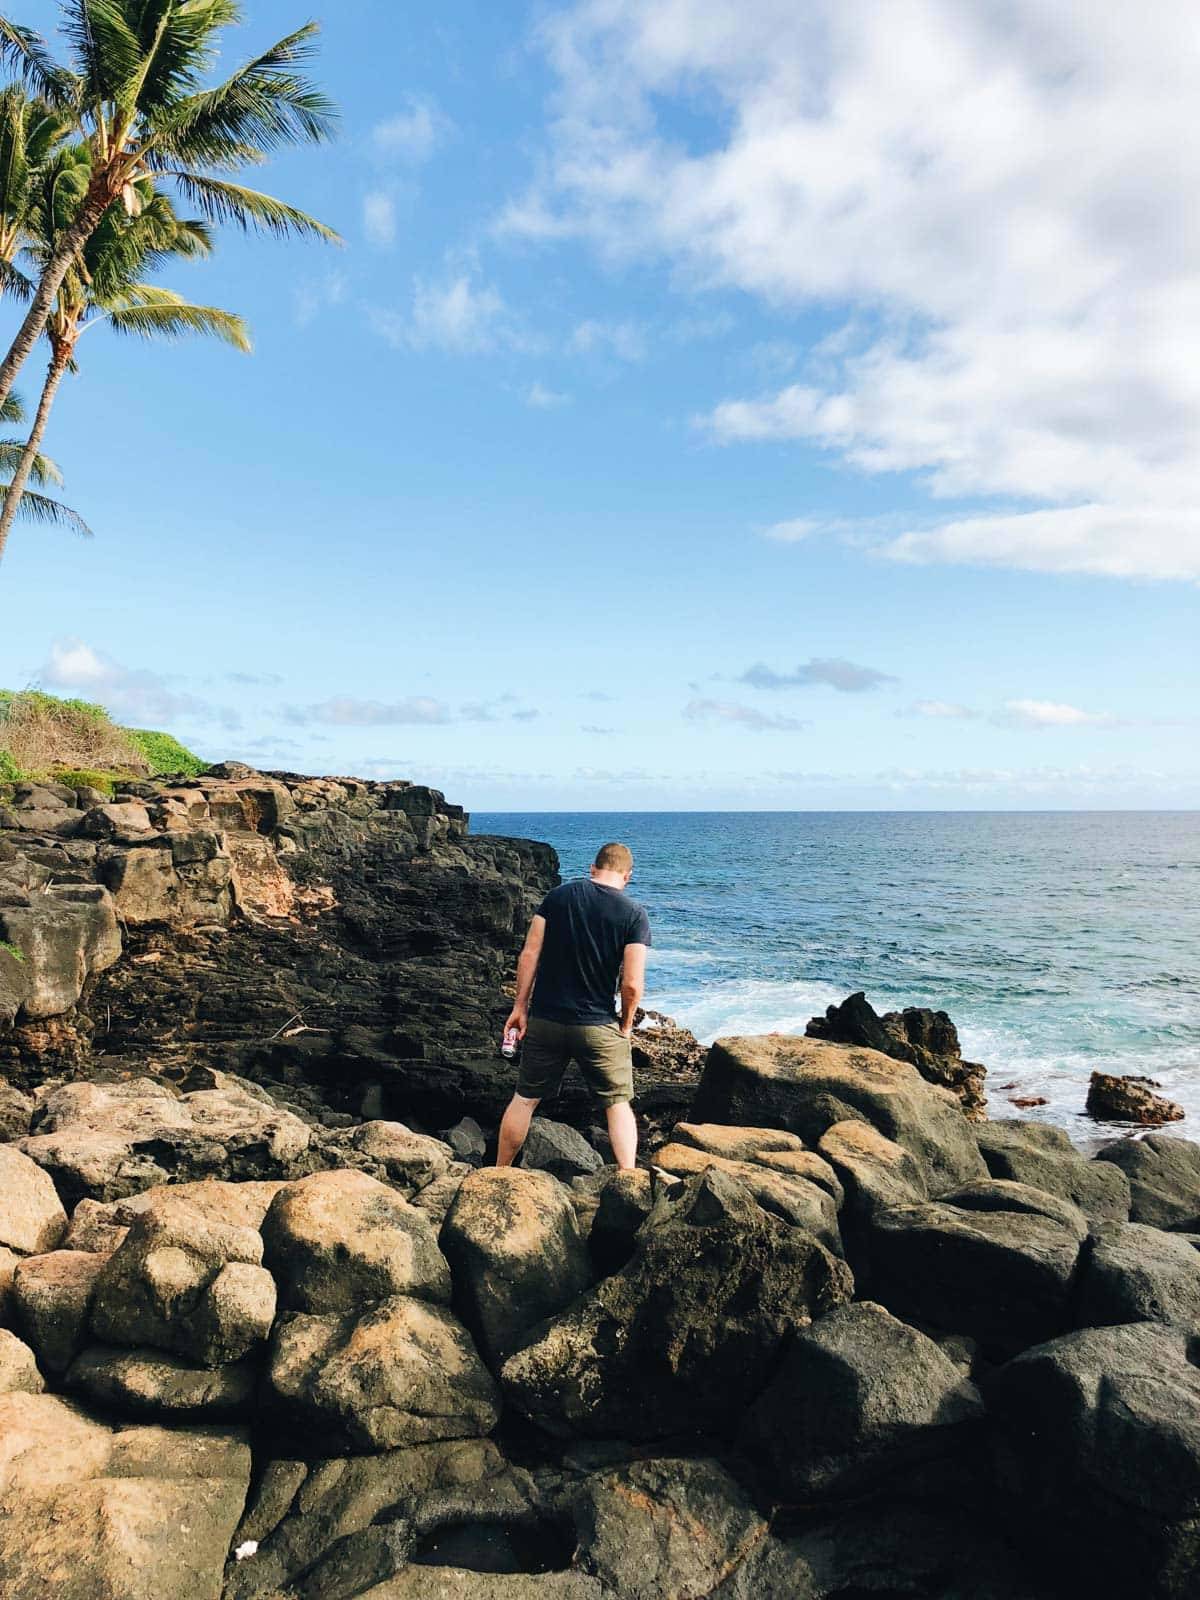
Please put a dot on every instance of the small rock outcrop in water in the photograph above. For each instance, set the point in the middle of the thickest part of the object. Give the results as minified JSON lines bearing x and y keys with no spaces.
{"x":1130,"y":1099}
{"x":269,"y":1332}
{"x":927,"y":1039}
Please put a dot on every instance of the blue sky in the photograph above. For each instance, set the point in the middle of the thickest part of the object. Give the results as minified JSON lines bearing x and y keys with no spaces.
{"x":713,"y":405}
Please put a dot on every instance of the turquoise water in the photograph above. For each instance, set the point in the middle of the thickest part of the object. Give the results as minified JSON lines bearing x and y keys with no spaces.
{"x":1059,"y":942}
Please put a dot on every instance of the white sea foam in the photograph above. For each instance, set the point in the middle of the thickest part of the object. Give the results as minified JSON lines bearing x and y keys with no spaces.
{"x":746,"y":1005}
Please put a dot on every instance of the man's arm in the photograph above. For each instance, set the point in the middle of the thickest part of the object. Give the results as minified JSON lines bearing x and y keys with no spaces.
{"x":633,"y":984}
{"x":527,"y":965}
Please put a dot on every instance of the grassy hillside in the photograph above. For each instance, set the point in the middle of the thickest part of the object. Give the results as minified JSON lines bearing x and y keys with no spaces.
{"x":77,"y":743}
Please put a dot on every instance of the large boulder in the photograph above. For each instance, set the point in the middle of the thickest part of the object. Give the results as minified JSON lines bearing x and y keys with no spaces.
{"x":184,"y":1283}
{"x":1043,"y":1157}
{"x":108,"y":1141}
{"x":1132,"y":1273}
{"x":688,"y":1332}
{"x":516,"y":1255}
{"x":928,"y":1039}
{"x":794,"y":1199}
{"x":1111,"y":1098}
{"x":340,"y":1240}
{"x":1098,"y":1454}
{"x":18,"y":1366}
{"x":1164,"y":1179}
{"x":32,"y":1219}
{"x":765,"y":1147}
{"x":859,"y":1398}
{"x":1004,"y":1277}
{"x":65,"y":933}
{"x":404,"y":1373}
{"x":411,"y":1161}
{"x":664,"y":1529}
{"x":806,"y":1085}
{"x":88,"y":1512}
{"x":151,"y":1383}
{"x":53,"y":1299}
{"x":872,"y":1171}
{"x":625,"y":1202}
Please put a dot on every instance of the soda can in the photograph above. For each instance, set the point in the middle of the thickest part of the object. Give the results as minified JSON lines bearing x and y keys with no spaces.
{"x":510,"y":1044}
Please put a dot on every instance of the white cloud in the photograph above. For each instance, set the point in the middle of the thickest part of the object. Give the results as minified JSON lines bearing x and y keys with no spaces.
{"x":453,"y":314}
{"x":317,"y":294}
{"x":833,"y":671}
{"x":379,"y":217}
{"x":412,"y":134}
{"x":130,"y":694}
{"x":624,"y":340}
{"x":1051,"y":714}
{"x":1002,"y":198}
{"x":740,"y":716}
{"x":540,"y":398}
{"x":343,"y":711}
{"x":793,"y":530}
{"x":949,"y":709}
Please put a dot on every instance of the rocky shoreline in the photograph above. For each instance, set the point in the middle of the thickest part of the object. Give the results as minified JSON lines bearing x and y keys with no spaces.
{"x":270,"y":1330}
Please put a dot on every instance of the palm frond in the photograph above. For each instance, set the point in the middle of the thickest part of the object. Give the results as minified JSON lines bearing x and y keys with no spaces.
{"x":249,"y":209}
{"x":263,"y":106}
{"x":26,"y":53}
{"x":42,"y":471}
{"x":150,"y":312}
{"x":14,"y":282}
{"x":103,"y":46}
{"x":40,"y":508}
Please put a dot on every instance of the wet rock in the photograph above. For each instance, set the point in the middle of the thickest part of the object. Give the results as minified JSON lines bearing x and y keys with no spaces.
{"x":664,"y":1529}
{"x":1043,"y":1157}
{"x":686,"y":1334}
{"x":32,"y":1219}
{"x":555,"y":1148}
{"x":108,"y":1141}
{"x":340,"y":1240}
{"x":806,"y":1085}
{"x":1002,"y":1277}
{"x":186,"y":1284}
{"x":1164,"y":1179}
{"x":18,"y":1367}
{"x":53,"y":1299}
{"x":1132,"y":1273}
{"x":1098,"y":1452}
{"x":859,"y":1398}
{"x":516,"y":1255}
{"x":624,"y":1203}
{"x":927,"y":1039}
{"x":795,"y":1200}
{"x":404,"y":1373}
{"x":152,"y":1383}
{"x":1129,"y":1099}
{"x":88,"y":1512}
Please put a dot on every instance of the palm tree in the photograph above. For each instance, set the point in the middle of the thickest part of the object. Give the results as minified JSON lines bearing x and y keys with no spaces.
{"x":103,"y":287}
{"x":133,"y":90}
{"x":34,"y":507}
{"x":29,"y":132}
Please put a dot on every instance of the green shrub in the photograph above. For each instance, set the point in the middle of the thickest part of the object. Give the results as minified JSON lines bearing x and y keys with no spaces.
{"x":10,"y":772}
{"x":86,"y":778}
{"x":165,"y":753}
{"x":12,"y":950}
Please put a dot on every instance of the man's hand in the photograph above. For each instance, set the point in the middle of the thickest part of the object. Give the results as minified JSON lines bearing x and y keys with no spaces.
{"x":518,"y":1018}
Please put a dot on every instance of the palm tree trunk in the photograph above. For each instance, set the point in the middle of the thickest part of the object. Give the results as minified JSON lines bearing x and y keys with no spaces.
{"x":96,"y":203}
{"x":59,"y":362}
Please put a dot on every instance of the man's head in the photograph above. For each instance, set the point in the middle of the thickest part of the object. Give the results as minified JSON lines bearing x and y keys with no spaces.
{"x":613,"y":865}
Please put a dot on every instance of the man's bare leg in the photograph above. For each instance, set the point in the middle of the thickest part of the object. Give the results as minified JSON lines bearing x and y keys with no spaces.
{"x":622,"y":1134}
{"x":514,"y":1126}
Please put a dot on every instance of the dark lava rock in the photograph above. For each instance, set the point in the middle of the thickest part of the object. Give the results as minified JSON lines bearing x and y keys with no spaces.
{"x":1129,"y":1099}
{"x":556,"y":1148}
{"x":1098,"y":1455}
{"x":1044,"y":1158}
{"x":688,"y":1332}
{"x":625,"y":1203}
{"x":927,"y":1039}
{"x":1164,"y":1178}
{"x":1132,"y":1273}
{"x":807,"y":1085}
{"x":860,"y":1396}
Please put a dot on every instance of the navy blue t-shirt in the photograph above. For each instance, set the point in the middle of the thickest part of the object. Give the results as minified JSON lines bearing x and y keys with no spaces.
{"x":588,"y":926}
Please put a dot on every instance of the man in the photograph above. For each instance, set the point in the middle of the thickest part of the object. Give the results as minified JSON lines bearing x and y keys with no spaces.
{"x":586,"y":933}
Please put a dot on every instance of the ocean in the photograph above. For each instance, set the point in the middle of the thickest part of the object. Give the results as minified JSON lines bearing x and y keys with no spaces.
{"x":1059,"y":942}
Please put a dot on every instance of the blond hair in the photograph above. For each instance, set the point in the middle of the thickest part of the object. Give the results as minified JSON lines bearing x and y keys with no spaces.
{"x":614,"y":858}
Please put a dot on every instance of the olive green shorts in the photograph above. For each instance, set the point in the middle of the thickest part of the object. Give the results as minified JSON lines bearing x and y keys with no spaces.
{"x":599,"y":1050}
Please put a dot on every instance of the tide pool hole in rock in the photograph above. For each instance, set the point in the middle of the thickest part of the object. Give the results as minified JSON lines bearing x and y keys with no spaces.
{"x":515,"y":1544}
